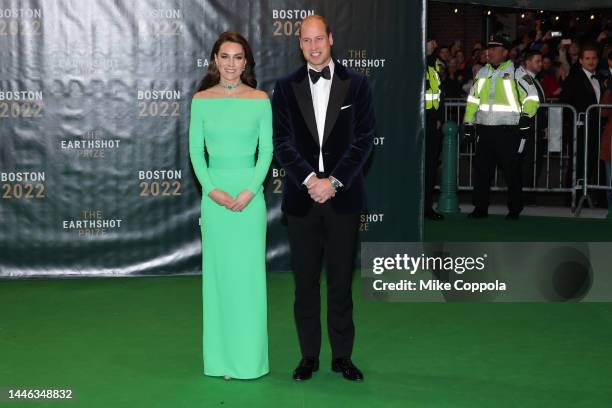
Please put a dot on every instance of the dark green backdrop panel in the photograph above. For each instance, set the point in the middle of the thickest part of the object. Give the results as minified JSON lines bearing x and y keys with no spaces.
{"x":94,"y":112}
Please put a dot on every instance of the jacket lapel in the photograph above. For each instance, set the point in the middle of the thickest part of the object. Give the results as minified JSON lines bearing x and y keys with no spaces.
{"x":337,"y":94}
{"x":301,"y":88}
{"x":589,"y":86}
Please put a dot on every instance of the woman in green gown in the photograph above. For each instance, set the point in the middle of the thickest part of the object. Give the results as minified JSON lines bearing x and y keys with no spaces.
{"x":230,"y":119}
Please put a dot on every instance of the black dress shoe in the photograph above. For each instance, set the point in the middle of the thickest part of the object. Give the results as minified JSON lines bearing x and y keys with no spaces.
{"x":512,"y":216}
{"x":347,"y":368}
{"x":478,"y":213}
{"x":305,"y":369}
{"x":432,"y":215}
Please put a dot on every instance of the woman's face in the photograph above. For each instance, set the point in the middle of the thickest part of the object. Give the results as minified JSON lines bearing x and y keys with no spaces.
{"x":546,"y":64}
{"x":574,"y":49}
{"x":230,"y":61}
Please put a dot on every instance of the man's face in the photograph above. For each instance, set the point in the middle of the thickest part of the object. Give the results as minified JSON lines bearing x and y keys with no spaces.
{"x":496,"y":55}
{"x":610,"y":62}
{"x":534,"y":64}
{"x":589,"y":60}
{"x":315,"y":43}
{"x":444,"y":54}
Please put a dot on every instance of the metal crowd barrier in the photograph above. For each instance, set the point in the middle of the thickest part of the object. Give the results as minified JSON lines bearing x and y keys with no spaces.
{"x":554,"y":145}
{"x":593,"y":176}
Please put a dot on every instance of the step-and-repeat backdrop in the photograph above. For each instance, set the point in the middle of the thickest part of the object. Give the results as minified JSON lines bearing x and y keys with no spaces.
{"x":95,"y":178}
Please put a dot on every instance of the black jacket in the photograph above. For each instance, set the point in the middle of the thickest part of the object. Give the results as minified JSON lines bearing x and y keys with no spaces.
{"x":578,"y":91}
{"x":347,"y":142}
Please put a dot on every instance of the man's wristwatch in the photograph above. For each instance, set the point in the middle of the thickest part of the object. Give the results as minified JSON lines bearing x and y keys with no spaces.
{"x":335,"y":183}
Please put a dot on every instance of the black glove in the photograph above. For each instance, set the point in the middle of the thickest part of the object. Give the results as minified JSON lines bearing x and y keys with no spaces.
{"x":524,"y":126}
{"x":469,"y":133}
{"x":524,"y":123}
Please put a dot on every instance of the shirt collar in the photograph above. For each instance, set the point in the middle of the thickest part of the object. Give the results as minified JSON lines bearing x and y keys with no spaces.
{"x":330,"y":65}
{"x":531,"y":74}
{"x":588,"y":74}
{"x":501,"y":66}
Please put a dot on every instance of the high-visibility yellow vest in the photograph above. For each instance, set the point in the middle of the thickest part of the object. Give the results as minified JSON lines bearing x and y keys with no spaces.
{"x":497,"y":98}
{"x":433,"y":92}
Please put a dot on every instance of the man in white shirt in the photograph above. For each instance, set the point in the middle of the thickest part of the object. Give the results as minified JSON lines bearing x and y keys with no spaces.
{"x":531,"y":166}
{"x":581,"y":89}
{"x":323,"y":119}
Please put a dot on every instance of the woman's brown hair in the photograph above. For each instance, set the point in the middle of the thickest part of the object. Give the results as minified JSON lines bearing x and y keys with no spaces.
{"x":212,"y":75}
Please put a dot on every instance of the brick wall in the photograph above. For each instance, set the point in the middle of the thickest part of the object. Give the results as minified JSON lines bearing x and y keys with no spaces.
{"x":467,"y":25}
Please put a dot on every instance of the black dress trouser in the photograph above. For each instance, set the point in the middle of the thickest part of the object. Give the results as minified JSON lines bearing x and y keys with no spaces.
{"x":497,"y":146}
{"x":323,"y":236}
{"x":433,"y":142}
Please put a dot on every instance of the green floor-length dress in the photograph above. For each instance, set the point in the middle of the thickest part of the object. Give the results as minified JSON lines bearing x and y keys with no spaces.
{"x":235,"y":336}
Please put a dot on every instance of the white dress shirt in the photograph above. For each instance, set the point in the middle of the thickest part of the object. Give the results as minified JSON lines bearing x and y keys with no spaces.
{"x":320,"y":98}
{"x":594,"y":82}
{"x":541,"y":95}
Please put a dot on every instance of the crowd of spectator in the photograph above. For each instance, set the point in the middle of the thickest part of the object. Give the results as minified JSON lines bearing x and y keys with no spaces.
{"x":576,"y":70}
{"x":560,"y":54}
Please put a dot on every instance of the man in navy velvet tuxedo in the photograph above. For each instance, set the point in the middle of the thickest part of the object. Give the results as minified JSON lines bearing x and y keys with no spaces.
{"x":323,"y":134}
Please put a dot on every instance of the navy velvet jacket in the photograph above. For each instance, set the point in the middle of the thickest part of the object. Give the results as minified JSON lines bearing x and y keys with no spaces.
{"x":347,"y":139}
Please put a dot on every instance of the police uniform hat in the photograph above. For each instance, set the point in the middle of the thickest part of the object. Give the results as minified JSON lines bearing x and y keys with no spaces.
{"x":498,"y":41}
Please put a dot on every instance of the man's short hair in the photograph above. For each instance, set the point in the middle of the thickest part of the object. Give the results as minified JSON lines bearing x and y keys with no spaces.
{"x":321,"y":19}
{"x":532,"y":53}
{"x":588,"y":47}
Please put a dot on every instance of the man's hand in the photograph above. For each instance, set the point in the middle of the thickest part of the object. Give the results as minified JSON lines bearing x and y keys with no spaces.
{"x":524,"y":129}
{"x":222,"y":198}
{"x":469,"y":132}
{"x":242,"y":200}
{"x":602,"y":36}
{"x":524,"y":123}
{"x":320,"y":189}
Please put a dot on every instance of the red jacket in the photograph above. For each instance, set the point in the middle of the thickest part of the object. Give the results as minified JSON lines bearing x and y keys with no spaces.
{"x":606,"y":136}
{"x":551,"y":85}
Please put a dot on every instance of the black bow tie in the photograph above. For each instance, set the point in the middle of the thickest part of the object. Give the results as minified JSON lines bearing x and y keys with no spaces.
{"x":315,"y":75}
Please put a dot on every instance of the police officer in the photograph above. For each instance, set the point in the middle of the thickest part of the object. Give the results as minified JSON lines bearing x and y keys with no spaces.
{"x":434,"y":115}
{"x":531,"y":165}
{"x":498,"y":120}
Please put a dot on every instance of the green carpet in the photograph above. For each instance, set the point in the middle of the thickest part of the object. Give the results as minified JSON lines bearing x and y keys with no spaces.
{"x":457,"y":227}
{"x":136,"y":342}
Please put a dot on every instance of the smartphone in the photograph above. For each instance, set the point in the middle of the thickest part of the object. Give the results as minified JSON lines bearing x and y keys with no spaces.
{"x":556,"y":34}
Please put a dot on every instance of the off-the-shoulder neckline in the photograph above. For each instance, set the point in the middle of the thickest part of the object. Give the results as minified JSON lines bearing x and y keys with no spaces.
{"x":231,"y":97}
